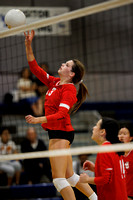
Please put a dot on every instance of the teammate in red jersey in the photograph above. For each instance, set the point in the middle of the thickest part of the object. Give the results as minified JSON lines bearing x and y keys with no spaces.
{"x":109,"y":167}
{"x":61,"y":99}
{"x":126,"y":135}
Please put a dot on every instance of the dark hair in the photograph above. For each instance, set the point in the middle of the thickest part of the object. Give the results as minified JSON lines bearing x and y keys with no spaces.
{"x":4,"y":129}
{"x":23,"y":70}
{"x":79,"y":70}
{"x":128,"y":126}
{"x":111,"y":127}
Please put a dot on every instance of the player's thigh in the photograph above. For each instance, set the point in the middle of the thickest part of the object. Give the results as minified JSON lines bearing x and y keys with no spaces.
{"x":59,"y":163}
{"x":69,"y":170}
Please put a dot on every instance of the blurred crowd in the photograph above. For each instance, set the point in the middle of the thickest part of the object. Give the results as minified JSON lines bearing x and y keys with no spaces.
{"x":26,"y":171}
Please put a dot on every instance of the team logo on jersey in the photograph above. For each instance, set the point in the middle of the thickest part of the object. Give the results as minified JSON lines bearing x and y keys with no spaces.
{"x":49,"y":92}
{"x":127,"y":165}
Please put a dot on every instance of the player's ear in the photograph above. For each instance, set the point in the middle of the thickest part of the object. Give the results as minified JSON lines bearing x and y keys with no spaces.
{"x":102,"y":132}
{"x":72,"y":74}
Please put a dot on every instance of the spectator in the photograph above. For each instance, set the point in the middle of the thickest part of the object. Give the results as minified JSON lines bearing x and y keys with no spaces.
{"x":38,"y":169}
{"x":109,"y":167}
{"x":11,"y":168}
{"x":27,"y":92}
{"x":125,"y":135}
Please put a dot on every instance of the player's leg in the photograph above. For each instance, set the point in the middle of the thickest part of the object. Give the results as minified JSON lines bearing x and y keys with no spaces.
{"x":73,"y":179}
{"x":58,"y":166}
{"x":130,"y":198}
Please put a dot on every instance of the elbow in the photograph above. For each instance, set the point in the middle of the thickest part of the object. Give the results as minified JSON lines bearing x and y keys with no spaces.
{"x":105,"y":179}
{"x":62,"y":115}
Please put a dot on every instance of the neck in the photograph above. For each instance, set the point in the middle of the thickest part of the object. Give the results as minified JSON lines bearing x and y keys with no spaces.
{"x":101,"y":141}
{"x":64,"y":81}
{"x":126,"y":152}
{"x":32,"y":142}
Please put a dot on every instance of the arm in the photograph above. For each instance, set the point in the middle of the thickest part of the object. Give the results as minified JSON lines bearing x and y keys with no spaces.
{"x":106,"y":170}
{"x":28,"y":40}
{"x":35,"y":120}
{"x":84,"y":178}
{"x":34,"y":67}
{"x":101,"y":180}
{"x":44,"y":119}
{"x":67,"y":101}
{"x":105,"y":165}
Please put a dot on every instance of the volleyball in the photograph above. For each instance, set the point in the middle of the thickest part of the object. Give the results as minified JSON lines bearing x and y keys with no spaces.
{"x":14,"y":18}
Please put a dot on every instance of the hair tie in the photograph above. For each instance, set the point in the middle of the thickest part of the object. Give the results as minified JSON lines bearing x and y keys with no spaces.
{"x":81,"y":81}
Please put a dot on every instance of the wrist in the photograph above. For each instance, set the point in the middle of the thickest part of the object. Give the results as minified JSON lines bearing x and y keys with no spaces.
{"x":42,"y":119}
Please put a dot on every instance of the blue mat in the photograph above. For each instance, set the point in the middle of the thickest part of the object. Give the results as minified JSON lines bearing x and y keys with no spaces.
{"x":42,"y":190}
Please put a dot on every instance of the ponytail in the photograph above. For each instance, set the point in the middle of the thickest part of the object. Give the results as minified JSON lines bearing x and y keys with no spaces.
{"x":79,"y":70}
{"x":81,"y":96}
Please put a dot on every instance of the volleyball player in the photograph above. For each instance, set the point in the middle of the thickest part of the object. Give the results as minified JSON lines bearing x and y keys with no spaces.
{"x":109,"y":167}
{"x":61,"y":99}
{"x":125,"y":135}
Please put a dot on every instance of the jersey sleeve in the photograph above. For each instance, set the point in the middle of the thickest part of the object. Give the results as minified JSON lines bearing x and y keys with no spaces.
{"x":43,"y":76}
{"x":106,"y":169}
{"x":67,"y":101}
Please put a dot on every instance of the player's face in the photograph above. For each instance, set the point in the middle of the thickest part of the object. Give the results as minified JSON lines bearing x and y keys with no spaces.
{"x":96,"y":131}
{"x":66,"y":69}
{"x":5,"y":136}
{"x":124,"y":135}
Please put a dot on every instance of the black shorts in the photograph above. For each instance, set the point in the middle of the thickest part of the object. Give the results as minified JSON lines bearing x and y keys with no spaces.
{"x":130,"y":197}
{"x":57,"y":134}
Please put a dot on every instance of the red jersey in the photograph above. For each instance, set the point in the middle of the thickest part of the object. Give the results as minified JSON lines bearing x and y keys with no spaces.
{"x":110,"y":176}
{"x":59,"y":100}
{"x":128,"y":160}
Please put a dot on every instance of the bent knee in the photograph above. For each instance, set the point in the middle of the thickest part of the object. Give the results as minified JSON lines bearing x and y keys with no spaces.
{"x":73,"y":180}
{"x":10,"y":172}
{"x":60,"y":183}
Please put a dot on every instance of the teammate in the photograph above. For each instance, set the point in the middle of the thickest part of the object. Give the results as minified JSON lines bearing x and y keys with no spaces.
{"x":126,"y":135}
{"x":109,"y":167}
{"x":61,"y":100}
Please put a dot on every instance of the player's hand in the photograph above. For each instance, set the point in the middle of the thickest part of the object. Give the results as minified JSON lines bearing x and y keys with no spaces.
{"x":31,"y":120}
{"x":29,"y":37}
{"x":84,"y":178}
{"x":88,"y":165}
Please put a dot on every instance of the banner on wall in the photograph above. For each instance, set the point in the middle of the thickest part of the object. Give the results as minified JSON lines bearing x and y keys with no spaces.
{"x":34,"y":14}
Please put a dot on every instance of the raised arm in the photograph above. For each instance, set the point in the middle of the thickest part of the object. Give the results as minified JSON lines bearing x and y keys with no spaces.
{"x":28,"y":40}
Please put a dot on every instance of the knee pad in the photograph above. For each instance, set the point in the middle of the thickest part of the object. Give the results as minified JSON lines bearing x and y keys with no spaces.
{"x":60,"y":183}
{"x":73,"y":180}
